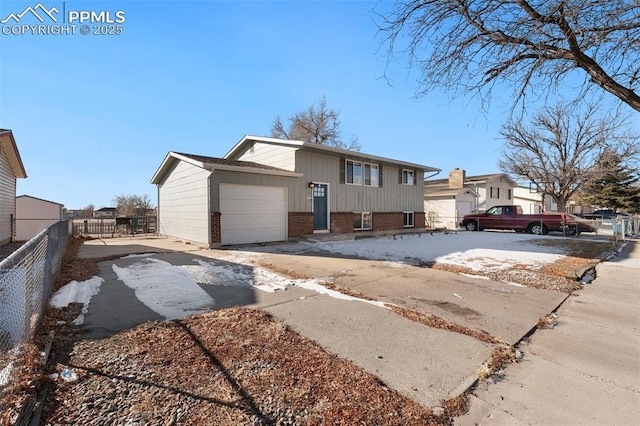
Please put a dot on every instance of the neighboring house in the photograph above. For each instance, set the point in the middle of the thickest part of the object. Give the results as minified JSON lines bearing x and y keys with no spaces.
{"x":446,"y":201}
{"x":267,"y":189}
{"x":533,"y":201}
{"x":34,"y":215}
{"x":11,"y":169}
{"x":105,"y":213}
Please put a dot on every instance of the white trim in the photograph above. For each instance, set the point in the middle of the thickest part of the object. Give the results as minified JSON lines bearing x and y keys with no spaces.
{"x":413,"y":220}
{"x":361,"y":221}
{"x":301,"y":144}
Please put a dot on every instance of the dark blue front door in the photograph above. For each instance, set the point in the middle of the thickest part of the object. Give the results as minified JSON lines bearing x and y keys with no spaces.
{"x":320,"y":206}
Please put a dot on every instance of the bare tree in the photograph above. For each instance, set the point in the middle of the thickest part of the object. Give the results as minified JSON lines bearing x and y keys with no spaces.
{"x":531,"y":46}
{"x":319,"y":125}
{"x":87,"y":211}
{"x":561,"y":147}
{"x":132,"y":205}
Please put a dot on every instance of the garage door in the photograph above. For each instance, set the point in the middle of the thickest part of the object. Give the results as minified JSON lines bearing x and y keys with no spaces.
{"x":252,"y":214}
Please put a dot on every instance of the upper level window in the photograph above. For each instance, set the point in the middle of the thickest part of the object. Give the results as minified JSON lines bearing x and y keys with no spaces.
{"x":508,"y":194}
{"x":494,"y":192}
{"x":354,"y":172}
{"x":359,"y":173}
{"x":370,"y":174}
{"x":407,"y":177}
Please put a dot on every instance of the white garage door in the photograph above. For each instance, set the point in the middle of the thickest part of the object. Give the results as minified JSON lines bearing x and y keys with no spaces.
{"x":252,"y":214}
{"x":464,"y":208}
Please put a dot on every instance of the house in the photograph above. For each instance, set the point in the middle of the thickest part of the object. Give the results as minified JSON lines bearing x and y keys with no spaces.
{"x":533,"y":200}
{"x":446,"y":201}
{"x":105,"y":213}
{"x":34,"y":215}
{"x":268,"y":189}
{"x":11,"y":169}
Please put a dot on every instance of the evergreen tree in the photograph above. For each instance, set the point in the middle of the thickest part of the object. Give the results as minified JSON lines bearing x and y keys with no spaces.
{"x":612,"y":185}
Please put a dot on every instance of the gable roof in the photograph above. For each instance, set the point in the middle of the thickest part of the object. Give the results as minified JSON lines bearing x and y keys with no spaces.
{"x":470,"y":180}
{"x":39,"y":199}
{"x":8,"y":145}
{"x":247,"y":139}
{"x":215,"y":163}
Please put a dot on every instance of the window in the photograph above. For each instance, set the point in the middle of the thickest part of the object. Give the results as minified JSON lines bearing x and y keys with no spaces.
{"x":407,"y":177}
{"x":508,"y":194}
{"x":362,"y":220}
{"x":494,"y":192}
{"x":495,"y":211}
{"x":359,"y":173}
{"x":354,"y":172}
{"x":371,"y":175}
{"x":407,"y":220}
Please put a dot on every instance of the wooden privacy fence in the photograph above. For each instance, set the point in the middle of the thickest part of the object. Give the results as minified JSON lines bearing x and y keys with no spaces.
{"x":115,"y":227}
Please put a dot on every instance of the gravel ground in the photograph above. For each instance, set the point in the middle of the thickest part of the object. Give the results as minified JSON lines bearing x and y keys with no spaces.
{"x":231,"y":367}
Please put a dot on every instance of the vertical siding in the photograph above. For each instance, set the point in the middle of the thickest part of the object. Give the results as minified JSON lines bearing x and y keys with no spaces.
{"x":391,"y":197}
{"x":7,"y":197}
{"x":282,"y":157}
{"x":183,"y":204}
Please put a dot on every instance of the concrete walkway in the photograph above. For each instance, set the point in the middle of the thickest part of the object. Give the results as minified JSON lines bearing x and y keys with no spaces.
{"x":423,"y":363}
{"x":586,"y":371}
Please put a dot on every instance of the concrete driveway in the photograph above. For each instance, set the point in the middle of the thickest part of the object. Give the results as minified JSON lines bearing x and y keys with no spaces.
{"x":423,"y":363}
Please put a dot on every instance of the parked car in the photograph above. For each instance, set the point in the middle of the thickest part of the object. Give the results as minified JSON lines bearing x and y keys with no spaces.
{"x":511,"y":217}
{"x":605,"y":214}
{"x":583,"y":224}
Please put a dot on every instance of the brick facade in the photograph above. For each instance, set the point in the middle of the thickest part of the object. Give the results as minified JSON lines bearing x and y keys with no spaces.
{"x":216,"y":235}
{"x":387,"y":221}
{"x":300,"y":223}
{"x":419,"y":220}
{"x":341,"y":222}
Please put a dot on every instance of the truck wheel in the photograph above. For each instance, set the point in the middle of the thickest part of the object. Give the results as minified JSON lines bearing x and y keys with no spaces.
{"x":537,"y":229}
{"x":472,"y":225}
{"x":573,"y":231}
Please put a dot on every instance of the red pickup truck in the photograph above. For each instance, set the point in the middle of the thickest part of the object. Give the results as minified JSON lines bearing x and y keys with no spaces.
{"x":511,"y":217}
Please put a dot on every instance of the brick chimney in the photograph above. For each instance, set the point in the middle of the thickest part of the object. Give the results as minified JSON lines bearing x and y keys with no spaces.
{"x":456,"y":178}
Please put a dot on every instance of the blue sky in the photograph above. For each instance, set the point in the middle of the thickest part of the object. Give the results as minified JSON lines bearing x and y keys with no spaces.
{"x":95,"y":115}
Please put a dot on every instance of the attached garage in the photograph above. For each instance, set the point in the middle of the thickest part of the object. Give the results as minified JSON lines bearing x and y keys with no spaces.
{"x":252,"y":214}
{"x":211,"y":201}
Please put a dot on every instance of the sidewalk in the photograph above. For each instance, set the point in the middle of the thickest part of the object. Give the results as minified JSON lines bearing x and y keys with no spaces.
{"x":585,"y":371}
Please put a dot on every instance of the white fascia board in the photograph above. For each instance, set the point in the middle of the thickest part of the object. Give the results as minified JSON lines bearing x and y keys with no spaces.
{"x":168,"y":160}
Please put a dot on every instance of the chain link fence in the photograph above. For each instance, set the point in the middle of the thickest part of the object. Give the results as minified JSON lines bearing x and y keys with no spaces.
{"x":26,"y":281}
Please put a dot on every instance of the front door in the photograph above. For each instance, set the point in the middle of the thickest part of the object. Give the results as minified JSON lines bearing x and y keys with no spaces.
{"x":320,"y":207}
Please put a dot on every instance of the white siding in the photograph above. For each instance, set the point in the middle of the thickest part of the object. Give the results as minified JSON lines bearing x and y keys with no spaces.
{"x":7,"y":198}
{"x":183,"y":204}
{"x":500,"y":186}
{"x":252,"y":214}
{"x":279,"y":156}
{"x":34,"y":215}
